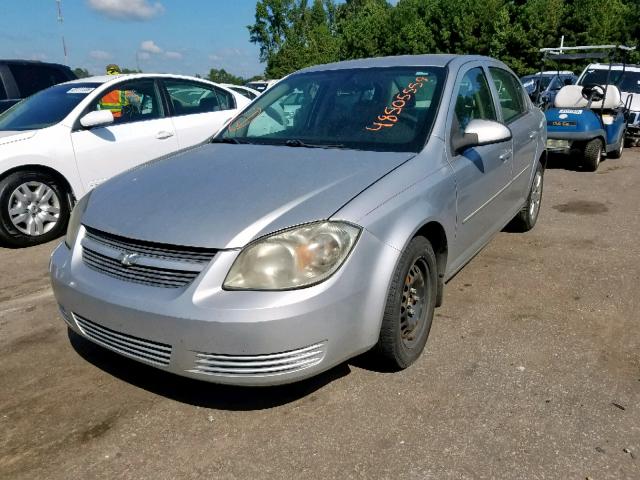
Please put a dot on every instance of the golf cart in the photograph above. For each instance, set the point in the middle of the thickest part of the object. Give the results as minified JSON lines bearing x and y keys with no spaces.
{"x":627,"y":79}
{"x":590,"y":119}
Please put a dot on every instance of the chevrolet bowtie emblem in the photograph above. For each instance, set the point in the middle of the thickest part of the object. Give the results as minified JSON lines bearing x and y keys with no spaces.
{"x":128,"y":259}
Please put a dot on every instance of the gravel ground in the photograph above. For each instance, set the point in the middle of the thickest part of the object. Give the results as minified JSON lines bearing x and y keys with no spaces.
{"x":532,"y":370}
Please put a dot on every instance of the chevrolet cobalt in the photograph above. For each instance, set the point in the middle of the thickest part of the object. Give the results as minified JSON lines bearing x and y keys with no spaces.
{"x":323,"y":221}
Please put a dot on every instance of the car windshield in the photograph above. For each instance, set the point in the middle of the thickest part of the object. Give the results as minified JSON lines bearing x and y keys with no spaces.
{"x":380,"y":109}
{"x":530,"y":81}
{"x":45,"y":108}
{"x":627,"y":82}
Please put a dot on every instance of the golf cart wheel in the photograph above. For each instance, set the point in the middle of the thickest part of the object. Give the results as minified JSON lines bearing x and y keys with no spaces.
{"x":527,"y":217}
{"x":617,"y":153}
{"x":592,"y":155}
{"x":33,"y":209}
{"x":410,"y":305}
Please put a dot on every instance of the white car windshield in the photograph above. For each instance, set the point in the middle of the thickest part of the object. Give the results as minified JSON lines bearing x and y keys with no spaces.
{"x":45,"y":108}
{"x":381,"y":109}
{"x":628,"y":81}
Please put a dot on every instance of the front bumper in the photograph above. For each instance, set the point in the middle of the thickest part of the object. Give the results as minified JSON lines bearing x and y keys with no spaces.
{"x":233,"y":337}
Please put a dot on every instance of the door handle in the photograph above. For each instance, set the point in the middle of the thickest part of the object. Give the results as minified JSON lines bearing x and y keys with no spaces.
{"x":504,"y":156}
{"x":533,"y":134}
{"x":163,"y":134}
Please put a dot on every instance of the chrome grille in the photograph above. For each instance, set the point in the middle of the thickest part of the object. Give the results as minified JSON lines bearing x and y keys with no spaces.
{"x":258,"y":365}
{"x":144,"y":350}
{"x":155,"y":264}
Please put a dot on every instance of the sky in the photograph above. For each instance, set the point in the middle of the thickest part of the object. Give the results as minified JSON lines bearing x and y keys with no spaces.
{"x":172,"y":36}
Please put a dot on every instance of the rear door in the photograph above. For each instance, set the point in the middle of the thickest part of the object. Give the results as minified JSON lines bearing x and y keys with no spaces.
{"x":199,"y":110}
{"x":482,"y":174}
{"x":516,"y":113}
{"x":141,"y":132}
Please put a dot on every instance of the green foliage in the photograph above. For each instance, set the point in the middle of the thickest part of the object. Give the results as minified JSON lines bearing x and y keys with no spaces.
{"x":293,"y":34}
{"x":81,"y":72}
{"x":222,"y":76}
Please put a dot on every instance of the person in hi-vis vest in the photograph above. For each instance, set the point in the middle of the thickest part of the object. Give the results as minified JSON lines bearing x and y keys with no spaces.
{"x":116,"y":100}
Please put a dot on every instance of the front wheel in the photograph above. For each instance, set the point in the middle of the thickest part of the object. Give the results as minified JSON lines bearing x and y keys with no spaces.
{"x":33,"y":209}
{"x":617,"y":153}
{"x":592,"y":154}
{"x":410,"y":305}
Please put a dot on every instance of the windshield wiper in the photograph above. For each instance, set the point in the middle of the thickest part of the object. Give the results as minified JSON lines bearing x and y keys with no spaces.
{"x":295,"y":142}
{"x":231,"y":140}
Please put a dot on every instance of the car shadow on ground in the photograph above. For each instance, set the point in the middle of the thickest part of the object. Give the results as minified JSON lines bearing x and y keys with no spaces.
{"x":570,"y":162}
{"x":196,"y":392}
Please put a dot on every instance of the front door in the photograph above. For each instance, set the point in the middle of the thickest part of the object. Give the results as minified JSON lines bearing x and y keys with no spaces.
{"x":483,"y":173}
{"x":140,"y":132}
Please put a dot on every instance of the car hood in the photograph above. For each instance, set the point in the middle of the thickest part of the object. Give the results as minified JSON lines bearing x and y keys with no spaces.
{"x":224,"y":196}
{"x":10,"y":136}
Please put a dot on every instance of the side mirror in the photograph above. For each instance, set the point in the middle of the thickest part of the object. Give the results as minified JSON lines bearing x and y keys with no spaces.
{"x":97,"y":118}
{"x":481,"y":132}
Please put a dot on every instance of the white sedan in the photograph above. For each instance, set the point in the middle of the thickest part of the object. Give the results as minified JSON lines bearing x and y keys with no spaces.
{"x":60,"y":143}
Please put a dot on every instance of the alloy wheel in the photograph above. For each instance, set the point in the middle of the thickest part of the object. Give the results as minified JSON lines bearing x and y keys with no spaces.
{"x":34,"y":208}
{"x":536,"y":196}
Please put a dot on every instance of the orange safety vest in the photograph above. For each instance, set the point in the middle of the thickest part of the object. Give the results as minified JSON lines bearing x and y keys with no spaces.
{"x":114,"y":101}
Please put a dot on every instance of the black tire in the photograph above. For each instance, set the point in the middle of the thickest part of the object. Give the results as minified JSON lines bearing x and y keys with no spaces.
{"x":527,"y":217}
{"x":10,"y":233}
{"x":617,"y":153}
{"x":592,"y":155}
{"x":398,"y":346}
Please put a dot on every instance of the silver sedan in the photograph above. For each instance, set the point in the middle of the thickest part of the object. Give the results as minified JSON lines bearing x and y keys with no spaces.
{"x":322,"y":222}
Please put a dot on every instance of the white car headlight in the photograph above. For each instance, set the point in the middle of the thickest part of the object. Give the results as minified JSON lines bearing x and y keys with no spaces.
{"x":299,"y":257}
{"x":74,"y":221}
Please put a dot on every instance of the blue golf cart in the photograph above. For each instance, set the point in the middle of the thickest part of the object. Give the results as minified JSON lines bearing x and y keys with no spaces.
{"x":591,"y":119}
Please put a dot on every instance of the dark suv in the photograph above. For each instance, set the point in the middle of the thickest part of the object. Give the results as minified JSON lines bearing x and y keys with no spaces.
{"x":21,"y":78}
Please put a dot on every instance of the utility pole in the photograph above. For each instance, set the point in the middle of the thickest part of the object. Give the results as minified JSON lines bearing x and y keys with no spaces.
{"x":60,"y":22}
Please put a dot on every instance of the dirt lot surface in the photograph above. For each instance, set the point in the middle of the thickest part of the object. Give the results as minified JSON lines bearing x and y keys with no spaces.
{"x":532,"y":370}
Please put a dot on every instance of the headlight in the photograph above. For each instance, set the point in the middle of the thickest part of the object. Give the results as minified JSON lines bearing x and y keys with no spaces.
{"x":74,"y":221}
{"x":294,"y":258}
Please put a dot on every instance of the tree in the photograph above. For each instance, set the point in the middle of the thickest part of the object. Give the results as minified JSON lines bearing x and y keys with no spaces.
{"x":81,"y":72}
{"x":296,"y":33}
{"x":222,"y":76}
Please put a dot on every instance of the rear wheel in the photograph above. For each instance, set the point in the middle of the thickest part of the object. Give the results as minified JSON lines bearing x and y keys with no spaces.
{"x":33,"y":209}
{"x":527,"y":217}
{"x":592,"y":155}
{"x":410,"y":305}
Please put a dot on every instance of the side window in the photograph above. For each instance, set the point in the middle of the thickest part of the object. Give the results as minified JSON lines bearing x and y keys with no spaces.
{"x":226,"y":99}
{"x":133,"y":101}
{"x":510,"y":93}
{"x":32,"y":78}
{"x":3,"y":92}
{"x":189,"y":98}
{"x":474,"y":100}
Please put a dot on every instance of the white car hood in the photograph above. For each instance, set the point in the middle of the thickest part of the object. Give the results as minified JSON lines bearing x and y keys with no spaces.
{"x":11,"y":136}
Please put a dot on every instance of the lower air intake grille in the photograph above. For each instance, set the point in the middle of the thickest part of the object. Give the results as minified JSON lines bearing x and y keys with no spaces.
{"x":259,"y":365}
{"x":144,"y":350}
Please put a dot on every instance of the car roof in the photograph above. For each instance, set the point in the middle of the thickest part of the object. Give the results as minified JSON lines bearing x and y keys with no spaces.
{"x":123,"y":76}
{"x":431,"y":60}
{"x":32,"y":62}
{"x":615,"y":66}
